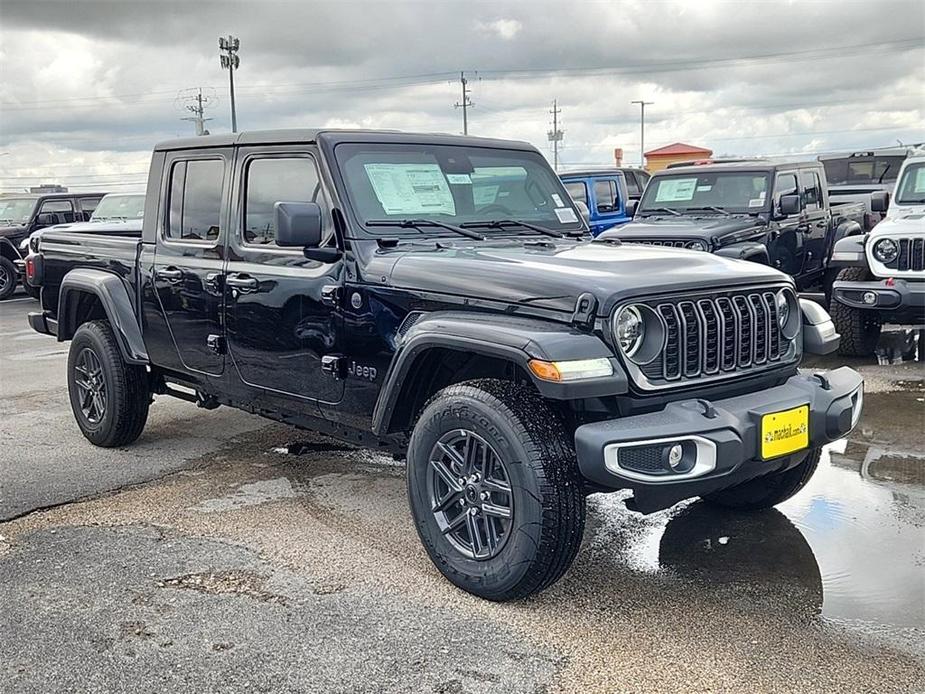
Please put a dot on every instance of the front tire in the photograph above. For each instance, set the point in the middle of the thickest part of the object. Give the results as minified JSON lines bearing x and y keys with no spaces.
{"x":8,"y":278}
{"x":109,"y":398}
{"x":768,"y":490}
{"x":859,"y":328}
{"x":494,"y":489}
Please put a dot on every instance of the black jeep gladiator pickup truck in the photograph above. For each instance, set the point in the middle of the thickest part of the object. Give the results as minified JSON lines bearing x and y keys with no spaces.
{"x":438,"y":297}
{"x":772,"y":213}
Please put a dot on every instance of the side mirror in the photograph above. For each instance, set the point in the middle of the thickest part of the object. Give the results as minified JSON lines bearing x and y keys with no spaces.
{"x":789,"y":204}
{"x":298,"y":224}
{"x":45,"y":219}
{"x":879,"y":201}
{"x":583,"y":209}
{"x":631,"y":206}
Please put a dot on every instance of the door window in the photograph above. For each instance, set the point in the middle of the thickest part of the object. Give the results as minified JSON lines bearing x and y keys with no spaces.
{"x":578,"y":191}
{"x":633,"y":189}
{"x":786,"y":185}
{"x":63,"y":210}
{"x":605,"y":194}
{"x":272,"y":180}
{"x":812,"y":190}
{"x":195,"y":201}
{"x":87,"y":205}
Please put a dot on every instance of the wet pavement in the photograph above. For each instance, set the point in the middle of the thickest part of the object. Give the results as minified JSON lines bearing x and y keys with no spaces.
{"x":273,"y":560}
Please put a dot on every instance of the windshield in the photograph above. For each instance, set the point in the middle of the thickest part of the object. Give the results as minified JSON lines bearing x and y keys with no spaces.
{"x":119,"y":207}
{"x":707,"y":192}
{"x":911,"y":188}
{"x":453,"y":184}
{"x":16,"y":210}
{"x":862,"y":171}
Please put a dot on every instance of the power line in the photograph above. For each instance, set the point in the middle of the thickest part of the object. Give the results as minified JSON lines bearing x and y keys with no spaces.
{"x":466,"y":102}
{"x":197,"y":108}
{"x":555,"y":135}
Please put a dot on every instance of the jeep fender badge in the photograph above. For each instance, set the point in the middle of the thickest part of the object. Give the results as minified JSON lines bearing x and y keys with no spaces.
{"x":356,"y":300}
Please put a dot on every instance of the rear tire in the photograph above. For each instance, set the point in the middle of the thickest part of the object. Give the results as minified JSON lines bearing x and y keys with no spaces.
{"x":768,"y":490}
{"x":859,"y":328}
{"x":531,"y":457}
{"x":8,"y":278}
{"x":109,"y":398}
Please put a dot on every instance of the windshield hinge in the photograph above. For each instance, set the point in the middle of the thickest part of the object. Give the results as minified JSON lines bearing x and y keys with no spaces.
{"x":585,"y":309}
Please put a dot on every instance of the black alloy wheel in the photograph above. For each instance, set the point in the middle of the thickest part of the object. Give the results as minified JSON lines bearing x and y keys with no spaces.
{"x":470,"y":494}
{"x":92,"y":392}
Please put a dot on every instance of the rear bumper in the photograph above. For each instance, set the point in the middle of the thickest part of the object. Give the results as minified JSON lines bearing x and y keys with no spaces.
{"x":905,"y":297}
{"x":41,"y":323}
{"x":722,"y":435}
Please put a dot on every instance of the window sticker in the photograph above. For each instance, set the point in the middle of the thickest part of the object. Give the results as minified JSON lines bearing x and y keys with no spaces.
{"x":484,"y":195}
{"x":556,"y":199}
{"x":411,"y":188}
{"x":675,"y":190}
{"x":920,"y":180}
{"x":566,"y":215}
{"x":459,"y":179}
{"x":756,"y":202}
{"x":704,"y":189}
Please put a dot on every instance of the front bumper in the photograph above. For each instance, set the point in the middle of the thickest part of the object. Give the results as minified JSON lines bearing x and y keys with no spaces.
{"x":900,"y":296}
{"x":725,"y":435}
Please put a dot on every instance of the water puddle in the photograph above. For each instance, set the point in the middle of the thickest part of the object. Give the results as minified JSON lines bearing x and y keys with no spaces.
{"x":849,"y":548}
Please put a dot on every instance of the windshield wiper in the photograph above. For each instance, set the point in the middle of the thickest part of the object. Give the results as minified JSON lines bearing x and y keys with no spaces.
{"x":417,"y":223}
{"x":662,"y":209}
{"x":708,"y":207}
{"x":505,"y":223}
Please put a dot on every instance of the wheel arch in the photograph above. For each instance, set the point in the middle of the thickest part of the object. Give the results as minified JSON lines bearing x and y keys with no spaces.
{"x":746,"y":250}
{"x":87,"y":294}
{"x":8,"y":250}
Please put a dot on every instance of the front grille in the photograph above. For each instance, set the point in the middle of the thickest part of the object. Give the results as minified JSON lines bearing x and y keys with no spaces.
{"x":717,"y":335}
{"x":911,"y":255}
{"x":657,"y":242}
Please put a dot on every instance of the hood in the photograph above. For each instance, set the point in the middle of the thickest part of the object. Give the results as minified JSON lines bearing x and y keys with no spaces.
{"x":12,"y":231}
{"x":681,"y":228}
{"x":908,"y":219}
{"x":554,"y":276}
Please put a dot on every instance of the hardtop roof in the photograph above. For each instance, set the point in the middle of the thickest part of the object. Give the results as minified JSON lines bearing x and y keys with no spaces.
{"x":743,"y":165}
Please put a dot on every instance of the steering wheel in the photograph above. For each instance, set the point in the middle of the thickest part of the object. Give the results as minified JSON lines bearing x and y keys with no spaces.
{"x":495,"y":206}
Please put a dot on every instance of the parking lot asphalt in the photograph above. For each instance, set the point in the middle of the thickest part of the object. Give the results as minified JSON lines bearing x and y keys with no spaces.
{"x":223,"y":553}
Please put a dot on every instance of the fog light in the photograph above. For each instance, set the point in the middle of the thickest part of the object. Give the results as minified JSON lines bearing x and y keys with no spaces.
{"x":869,"y":298}
{"x":675,"y":456}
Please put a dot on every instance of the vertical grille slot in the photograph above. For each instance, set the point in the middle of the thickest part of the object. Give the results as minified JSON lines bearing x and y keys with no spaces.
{"x":918,"y":254}
{"x":744,"y":356}
{"x":690,"y":325}
{"x":730,"y":345}
{"x":762,"y":338}
{"x":671,"y":360}
{"x":713,"y":335}
{"x":911,"y":255}
{"x":773,"y":330}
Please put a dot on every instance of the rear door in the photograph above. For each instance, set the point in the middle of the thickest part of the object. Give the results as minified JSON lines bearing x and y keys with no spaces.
{"x":785,"y":246}
{"x":87,"y":205}
{"x":189,"y":258}
{"x":817,"y":218}
{"x":280,"y":307}
{"x":607,"y":210}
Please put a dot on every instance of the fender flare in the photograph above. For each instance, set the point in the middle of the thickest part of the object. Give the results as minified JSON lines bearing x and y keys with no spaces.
{"x":846,"y":228}
{"x":849,"y":252}
{"x":746,"y":250}
{"x":116,"y":302}
{"x":513,"y":339}
{"x":8,"y":250}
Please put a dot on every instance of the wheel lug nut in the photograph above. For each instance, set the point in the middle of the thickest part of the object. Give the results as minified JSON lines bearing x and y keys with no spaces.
{"x":484,"y":496}
{"x":473,"y":511}
{"x":461,"y":481}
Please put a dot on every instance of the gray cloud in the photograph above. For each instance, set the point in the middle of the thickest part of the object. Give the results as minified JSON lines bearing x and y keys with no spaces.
{"x":87,"y":87}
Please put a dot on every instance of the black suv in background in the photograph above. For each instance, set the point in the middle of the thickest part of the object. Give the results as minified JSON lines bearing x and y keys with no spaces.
{"x":20,"y":215}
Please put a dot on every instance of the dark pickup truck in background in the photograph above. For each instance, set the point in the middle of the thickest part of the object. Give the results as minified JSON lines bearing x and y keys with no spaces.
{"x":20,"y":215}
{"x":777,"y":214}
{"x":439,"y":297}
{"x":852,"y":177}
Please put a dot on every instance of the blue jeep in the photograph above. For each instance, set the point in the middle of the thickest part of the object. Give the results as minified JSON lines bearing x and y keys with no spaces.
{"x":605,"y":195}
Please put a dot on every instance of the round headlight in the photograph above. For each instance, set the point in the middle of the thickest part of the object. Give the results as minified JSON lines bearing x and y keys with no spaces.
{"x":696,"y":245}
{"x":783,"y":309}
{"x":629,"y":330}
{"x":886,"y":250}
{"x":789,"y":316}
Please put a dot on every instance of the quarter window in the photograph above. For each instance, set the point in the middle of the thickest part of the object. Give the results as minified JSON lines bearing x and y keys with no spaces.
{"x":633,"y":189}
{"x":276,"y":180}
{"x":195,"y":199}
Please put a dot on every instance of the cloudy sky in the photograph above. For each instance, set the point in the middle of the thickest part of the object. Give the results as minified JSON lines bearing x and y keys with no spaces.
{"x":86,"y":88}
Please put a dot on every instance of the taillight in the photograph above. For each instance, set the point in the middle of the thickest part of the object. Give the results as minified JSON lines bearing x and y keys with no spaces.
{"x":34,"y":267}
{"x":30,"y":269}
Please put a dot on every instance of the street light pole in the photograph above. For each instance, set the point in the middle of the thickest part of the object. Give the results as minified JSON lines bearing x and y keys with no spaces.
{"x":642,"y":130}
{"x":230,"y":60}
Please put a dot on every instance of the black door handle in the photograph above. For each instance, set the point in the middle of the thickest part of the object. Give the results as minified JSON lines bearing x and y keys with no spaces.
{"x":244,"y":283}
{"x":171,"y":274}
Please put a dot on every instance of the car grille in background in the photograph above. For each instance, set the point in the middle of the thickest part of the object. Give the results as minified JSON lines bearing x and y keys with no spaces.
{"x":657,"y":242}
{"x":717,"y":335}
{"x":911,"y":255}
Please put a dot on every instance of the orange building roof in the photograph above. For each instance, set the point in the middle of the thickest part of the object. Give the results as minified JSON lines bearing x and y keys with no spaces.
{"x":679,"y":148}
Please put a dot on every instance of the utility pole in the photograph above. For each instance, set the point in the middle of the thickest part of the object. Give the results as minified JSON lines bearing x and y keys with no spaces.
{"x":642,"y":130}
{"x":230,"y":60}
{"x":555,"y":135}
{"x":466,"y":101}
{"x":197,"y":108}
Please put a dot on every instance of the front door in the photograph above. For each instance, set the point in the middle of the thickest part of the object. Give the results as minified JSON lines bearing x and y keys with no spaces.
{"x":281,"y":318}
{"x":816,"y":221}
{"x":785,"y":247}
{"x":188,"y":260}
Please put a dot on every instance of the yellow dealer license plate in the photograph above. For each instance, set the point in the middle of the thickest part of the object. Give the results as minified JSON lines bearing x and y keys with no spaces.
{"x":784,"y":432}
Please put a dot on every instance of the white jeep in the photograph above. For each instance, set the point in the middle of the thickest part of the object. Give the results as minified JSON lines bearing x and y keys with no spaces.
{"x":882,"y":279}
